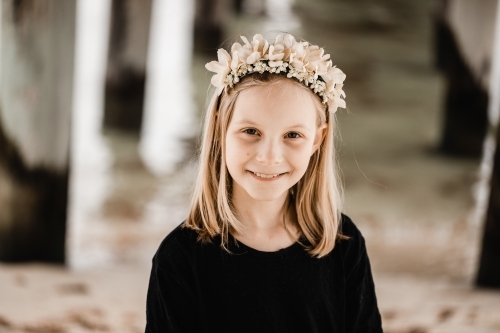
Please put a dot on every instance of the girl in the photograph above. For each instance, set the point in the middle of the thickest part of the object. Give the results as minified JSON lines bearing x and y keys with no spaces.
{"x":265,"y":247}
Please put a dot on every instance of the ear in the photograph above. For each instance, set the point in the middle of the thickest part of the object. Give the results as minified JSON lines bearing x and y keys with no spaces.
{"x":319,"y":137}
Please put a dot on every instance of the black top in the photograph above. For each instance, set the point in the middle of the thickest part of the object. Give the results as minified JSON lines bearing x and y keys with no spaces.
{"x":198,"y":287}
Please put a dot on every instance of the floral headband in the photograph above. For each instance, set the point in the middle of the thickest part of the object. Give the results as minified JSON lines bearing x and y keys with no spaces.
{"x":300,"y":60}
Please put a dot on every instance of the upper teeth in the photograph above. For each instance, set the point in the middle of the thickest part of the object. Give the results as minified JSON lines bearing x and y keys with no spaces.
{"x":262,"y":175}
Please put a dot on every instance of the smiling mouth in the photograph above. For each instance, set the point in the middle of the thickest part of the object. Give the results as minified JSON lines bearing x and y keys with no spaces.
{"x":266,"y":176}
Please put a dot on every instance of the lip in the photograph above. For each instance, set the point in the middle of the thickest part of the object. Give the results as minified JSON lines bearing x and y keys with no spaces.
{"x":267,"y":179}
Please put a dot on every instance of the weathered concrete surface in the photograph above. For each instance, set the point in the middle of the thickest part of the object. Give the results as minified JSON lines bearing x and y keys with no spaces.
{"x":488,"y":274}
{"x":126,"y":70}
{"x":36,"y":76}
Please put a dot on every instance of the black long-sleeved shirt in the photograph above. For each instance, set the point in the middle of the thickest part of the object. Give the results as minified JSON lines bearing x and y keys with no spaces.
{"x":197,"y":287}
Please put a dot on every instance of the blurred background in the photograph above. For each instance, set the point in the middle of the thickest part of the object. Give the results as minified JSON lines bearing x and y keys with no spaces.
{"x":101,"y":103}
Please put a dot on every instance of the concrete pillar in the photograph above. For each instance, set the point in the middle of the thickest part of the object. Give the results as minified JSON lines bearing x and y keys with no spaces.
{"x":488,"y":274}
{"x":464,"y":35}
{"x":209,"y":22}
{"x":36,"y":80}
{"x":126,"y":70}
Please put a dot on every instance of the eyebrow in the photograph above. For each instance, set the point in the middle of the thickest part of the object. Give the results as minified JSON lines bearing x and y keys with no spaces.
{"x":249,"y":122}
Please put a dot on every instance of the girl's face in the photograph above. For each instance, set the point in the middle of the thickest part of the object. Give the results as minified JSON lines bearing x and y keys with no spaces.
{"x":270,"y":139}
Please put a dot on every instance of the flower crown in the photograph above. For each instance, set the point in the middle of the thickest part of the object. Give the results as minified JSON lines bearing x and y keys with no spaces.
{"x":300,"y":60}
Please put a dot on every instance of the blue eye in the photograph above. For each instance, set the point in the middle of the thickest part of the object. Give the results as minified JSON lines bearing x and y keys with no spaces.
{"x":251,"y":131}
{"x":293,"y":135}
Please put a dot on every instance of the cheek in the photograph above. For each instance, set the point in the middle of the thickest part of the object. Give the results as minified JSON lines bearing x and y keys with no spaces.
{"x":231,"y":146}
{"x":238,"y":146}
{"x":229,"y":153}
{"x":236,"y":152}
{"x":300,"y":156}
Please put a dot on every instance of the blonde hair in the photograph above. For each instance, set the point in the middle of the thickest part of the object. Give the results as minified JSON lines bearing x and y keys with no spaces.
{"x":317,"y":197}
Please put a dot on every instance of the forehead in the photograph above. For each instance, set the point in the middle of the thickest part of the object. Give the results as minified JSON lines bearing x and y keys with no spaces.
{"x":280,"y":103}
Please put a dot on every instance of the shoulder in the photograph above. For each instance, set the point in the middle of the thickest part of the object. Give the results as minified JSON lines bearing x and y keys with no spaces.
{"x":361,"y":314}
{"x":179,"y":245}
{"x":353,"y":248}
{"x":349,"y":229}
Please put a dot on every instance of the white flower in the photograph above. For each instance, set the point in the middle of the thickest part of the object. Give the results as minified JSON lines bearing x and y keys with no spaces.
{"x":252,"y":52}
{"x":243,"y":52}
{"x":337,"y":75}
{"x":276,"y":55}
{"x":332,"y":77}
{"x":258,"y":44}
{"x":298,"y":55}
{"x":306,"y":63}
{"x":286,"y":40}
{"x":323,"y":67}
{"x":316,"y":62}
{"x":221,"y":68}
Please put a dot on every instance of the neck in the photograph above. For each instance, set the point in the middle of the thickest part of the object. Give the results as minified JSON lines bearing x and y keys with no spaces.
{"x":269,"y":226}
{"x":261,"y":216}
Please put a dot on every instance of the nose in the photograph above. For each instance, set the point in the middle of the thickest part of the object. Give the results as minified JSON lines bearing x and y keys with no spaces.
{"x":270,"y":152}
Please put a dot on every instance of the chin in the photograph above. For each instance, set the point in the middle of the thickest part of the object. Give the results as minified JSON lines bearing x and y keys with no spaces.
{"x":266,"y":195}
